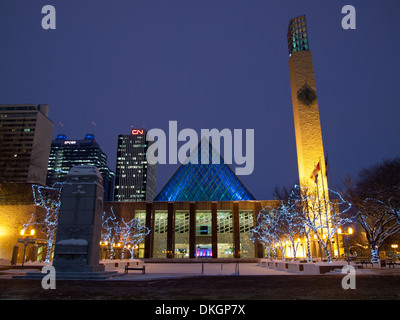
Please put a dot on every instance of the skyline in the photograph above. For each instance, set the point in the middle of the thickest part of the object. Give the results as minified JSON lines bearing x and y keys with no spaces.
{"x":208,"y":65}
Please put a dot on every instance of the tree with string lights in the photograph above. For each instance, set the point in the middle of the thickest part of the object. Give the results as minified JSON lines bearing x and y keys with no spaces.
{"x":265,"y":232}
{"x":278,"y":228}
{"x":109,"y":231}
{"x":321,"y":216}
{"x":48,"y":198}
{"x":131,"y":233}
{"x":376,"y":198}
{"x":304,"y":214}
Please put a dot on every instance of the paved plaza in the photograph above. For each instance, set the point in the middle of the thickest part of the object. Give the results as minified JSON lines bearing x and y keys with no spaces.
{"x":211,"y":281}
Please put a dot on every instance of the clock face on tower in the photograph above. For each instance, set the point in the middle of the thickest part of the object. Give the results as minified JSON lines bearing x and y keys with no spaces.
{"x":306,"y":95}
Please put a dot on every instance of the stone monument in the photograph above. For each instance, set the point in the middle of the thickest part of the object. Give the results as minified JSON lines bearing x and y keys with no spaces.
{"x":77,"y":247}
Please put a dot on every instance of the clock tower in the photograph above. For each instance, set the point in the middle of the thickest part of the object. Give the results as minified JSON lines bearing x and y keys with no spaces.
{"x":310,"y":150}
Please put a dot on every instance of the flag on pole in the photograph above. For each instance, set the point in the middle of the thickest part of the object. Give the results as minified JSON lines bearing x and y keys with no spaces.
{"x":316,"y":170}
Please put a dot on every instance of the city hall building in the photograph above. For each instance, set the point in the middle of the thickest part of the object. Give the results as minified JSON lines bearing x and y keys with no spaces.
{"x":204,"y":211}
{"x":190,"y":229}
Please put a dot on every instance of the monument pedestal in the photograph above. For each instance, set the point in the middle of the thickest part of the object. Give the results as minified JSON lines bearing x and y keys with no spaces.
{"x":77,"y":248}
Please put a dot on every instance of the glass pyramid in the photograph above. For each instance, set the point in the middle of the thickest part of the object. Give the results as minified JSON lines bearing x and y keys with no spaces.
{"x":197,"y":181}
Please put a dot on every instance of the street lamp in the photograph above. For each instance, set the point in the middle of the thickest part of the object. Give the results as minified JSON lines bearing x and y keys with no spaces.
{"x":22,"y":232}
{"x":26,"y":240}
{"x":395,"y":246}
{"x":349,"y":232}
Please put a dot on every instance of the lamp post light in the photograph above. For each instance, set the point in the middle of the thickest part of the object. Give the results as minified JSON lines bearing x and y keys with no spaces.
{"x":349,"y":232}
{"x":104,"y":249}
{"x":394,"y":247}
{"x":26,"y":240}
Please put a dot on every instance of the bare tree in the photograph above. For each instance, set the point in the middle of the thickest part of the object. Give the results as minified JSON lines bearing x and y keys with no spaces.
{"x":48,"y":198}
{"x":129,"y":233}
{"x":279,"y":227}
{"x":266,"y":232}
{"x":321,"y":215}
{"x":132,"y":233}
{"x":376,"y":196}
{"x":110,"y":230}
{"x":304,"y":213}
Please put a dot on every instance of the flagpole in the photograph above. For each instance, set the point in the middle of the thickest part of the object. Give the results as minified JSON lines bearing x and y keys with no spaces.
{"x":319,"y":211}
{"x":328,"y":168}
{"x":325,"y":200}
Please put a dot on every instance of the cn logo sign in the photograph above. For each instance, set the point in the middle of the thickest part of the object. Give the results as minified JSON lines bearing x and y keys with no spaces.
{"x":49,"y":280}
{"x":349,"y":20}
{"x":137,"y":131}
{"x":49,"y":20}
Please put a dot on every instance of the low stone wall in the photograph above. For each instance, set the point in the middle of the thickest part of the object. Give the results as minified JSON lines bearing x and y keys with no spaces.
{"x":295,"y":267}
{"x":281,"y":265}
{"x":114,"y":265}
{"x":200,"y":260}
{"x":308,"y":268}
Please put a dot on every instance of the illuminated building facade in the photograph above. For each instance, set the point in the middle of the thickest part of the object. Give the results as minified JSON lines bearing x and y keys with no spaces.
{"x":25,"y":139}
{"x":66,"y":154}
{"x":190,"y":229}
{"x":201,"y":212}
{"x":135,"y":179}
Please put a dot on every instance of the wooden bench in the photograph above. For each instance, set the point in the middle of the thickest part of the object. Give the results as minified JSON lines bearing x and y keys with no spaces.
{"x":392,"y":264}
{"x":142,"y":268}
{"x":366,"y":262}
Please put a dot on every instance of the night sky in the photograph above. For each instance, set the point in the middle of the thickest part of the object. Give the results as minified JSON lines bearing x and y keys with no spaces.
{"x":209,"y":64}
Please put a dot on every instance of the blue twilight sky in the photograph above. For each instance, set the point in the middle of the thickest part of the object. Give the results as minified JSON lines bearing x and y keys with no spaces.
{"x":209,"y":64}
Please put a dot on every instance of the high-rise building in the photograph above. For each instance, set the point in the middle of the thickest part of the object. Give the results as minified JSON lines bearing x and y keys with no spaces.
{"x":25,"y":139}
{"x":214,"y":181}
{"x":135,"y":179}
{"x":310,"y":150}
{"x":66,"y":154}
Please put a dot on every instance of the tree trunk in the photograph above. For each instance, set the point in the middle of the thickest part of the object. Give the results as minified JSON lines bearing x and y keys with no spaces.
{"x":374,"y":254}
{"x":328,"y":254}
{"x":294,"y":250}
{"x":275,"y":253}
{"x":309,"y":257}
{"x":48,"y":251}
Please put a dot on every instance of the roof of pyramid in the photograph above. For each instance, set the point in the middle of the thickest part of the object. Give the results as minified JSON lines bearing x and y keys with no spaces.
{"x":202,"y":178}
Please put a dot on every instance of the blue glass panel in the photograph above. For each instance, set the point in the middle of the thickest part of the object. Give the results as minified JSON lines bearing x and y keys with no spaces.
{"x":204,"y":182}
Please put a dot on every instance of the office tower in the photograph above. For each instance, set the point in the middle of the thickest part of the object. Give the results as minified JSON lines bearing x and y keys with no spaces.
{"x":135,"y":179}
{"x":25,"y":138}
{"x":204,"y":182}
{"x":310,"y":150}
{"x":66,"y":154}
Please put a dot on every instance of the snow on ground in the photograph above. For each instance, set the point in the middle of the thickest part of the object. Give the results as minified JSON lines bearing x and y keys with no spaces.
{"x":177,"y":270}
{"x":172,"y":270}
